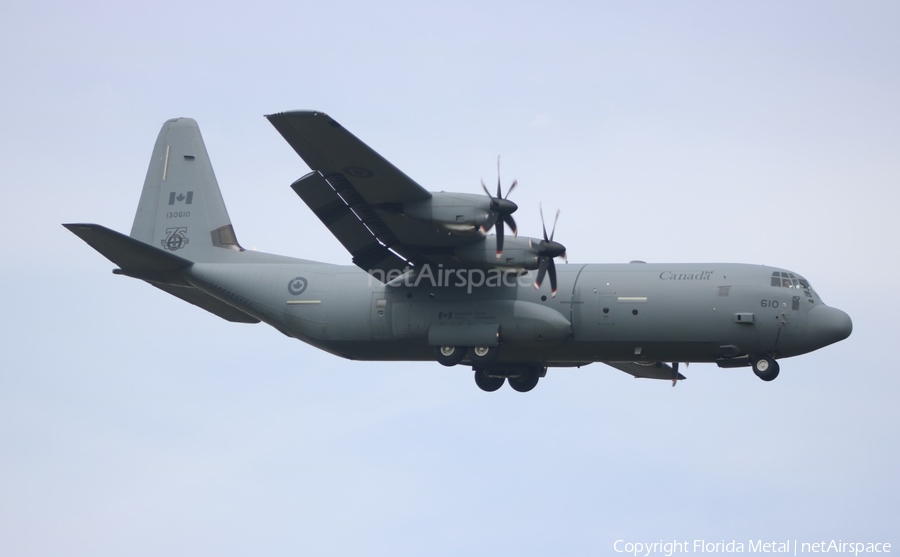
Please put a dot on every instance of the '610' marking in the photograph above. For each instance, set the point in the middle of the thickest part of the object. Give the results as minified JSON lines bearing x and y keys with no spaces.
{"x":769,"y":303}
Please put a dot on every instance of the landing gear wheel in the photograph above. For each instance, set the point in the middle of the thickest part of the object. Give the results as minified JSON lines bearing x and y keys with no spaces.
{"x":486,"y":383}
{"x":766,"y":368}
{"x":482,"y":355}
{"x":525,"y":381}
{"x":449,"y":355}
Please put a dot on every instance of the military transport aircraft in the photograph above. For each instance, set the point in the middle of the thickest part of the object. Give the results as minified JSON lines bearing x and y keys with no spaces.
{"x":431,"y":285}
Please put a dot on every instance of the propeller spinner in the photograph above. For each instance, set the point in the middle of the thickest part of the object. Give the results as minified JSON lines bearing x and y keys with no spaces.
{"x":548,"y":250}
{"x":501,"y":211}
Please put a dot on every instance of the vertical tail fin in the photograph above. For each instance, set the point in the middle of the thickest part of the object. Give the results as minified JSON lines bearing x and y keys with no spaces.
{"x":181,"y":208}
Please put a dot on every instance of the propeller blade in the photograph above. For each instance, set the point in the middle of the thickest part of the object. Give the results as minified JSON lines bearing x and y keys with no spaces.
{"x":551,"y":269}
{"x":544,"y":226}
{"x":486,"y":190}
{"x":499,"y":191}
{"x":511,"y":188}
{"x":542,"y":269}
{"x":553,"y":231}
{"x":501,"y":210}
{"x":512,"y":224}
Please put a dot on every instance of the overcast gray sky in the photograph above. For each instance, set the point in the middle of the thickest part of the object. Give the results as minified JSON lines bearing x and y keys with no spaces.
{"x":132,"y":423}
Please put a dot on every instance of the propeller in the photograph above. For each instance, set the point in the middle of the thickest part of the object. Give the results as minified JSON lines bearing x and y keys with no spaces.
{"x":675,"y":375}
{"x":501,"y":211}
{"x":548,"y":250}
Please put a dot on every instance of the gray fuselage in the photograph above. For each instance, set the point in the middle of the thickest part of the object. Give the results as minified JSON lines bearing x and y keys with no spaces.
{"x":633,"y":312}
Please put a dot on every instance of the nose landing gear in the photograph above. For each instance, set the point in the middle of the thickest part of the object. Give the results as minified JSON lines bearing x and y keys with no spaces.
{"x":766,"y":368}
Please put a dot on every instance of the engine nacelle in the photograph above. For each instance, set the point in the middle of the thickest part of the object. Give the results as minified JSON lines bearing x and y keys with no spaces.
{"x":460,"y":212}
{"x":518,"y":253}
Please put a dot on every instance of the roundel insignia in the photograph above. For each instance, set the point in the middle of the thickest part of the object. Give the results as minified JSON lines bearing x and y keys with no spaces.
{"x":297,"y":286}
{"x":358,"y":172}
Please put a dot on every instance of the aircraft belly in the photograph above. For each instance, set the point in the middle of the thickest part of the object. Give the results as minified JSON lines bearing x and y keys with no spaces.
{"x":380,"y":350}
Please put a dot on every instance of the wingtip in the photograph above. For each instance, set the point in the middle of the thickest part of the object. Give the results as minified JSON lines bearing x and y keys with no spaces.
{"x":294,"y":113}
{"x":79,"y":225}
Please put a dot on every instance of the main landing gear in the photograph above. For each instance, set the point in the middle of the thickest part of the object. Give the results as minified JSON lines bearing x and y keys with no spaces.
{"x":452,"y":355}
{"x":449,"y":355}
{"x":526,"y":380}
{"x":521,"y":377}
{"x":488,"y":376}
{"x":488,"y":383}
{"x":766,"y":368}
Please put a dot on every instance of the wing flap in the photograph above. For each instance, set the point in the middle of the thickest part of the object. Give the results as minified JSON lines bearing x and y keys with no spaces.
{"x":353,"y":231}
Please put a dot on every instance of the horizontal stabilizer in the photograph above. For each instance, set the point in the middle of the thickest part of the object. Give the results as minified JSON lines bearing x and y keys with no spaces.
{"x":134,"y":257}
{"x":647,"y":371}
{"x":155,"y":266}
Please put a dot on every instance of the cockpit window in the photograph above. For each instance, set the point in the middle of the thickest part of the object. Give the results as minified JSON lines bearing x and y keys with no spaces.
{"x":783,"y":279}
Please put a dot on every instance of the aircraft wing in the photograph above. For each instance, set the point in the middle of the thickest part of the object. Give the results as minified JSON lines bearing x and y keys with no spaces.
{"x":359,"y":196}
{"x":648,"y":371}
{"x":328,"y":148}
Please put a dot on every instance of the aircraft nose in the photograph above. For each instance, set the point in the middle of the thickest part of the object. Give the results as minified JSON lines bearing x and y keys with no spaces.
{"x":829,"y":325}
